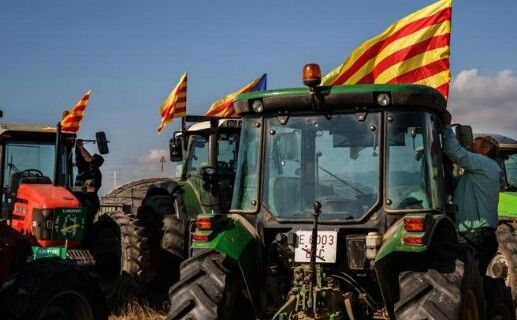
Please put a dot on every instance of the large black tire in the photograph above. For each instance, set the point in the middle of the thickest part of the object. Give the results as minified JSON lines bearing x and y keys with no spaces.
{"x":449,"y":286}
{"x":499,"y":300}
{"x":208,"y":289}
{"x":119,"y":246}
{"x":165,"y":220}
{"x":52,"y":289}
{"x":504,"y":264}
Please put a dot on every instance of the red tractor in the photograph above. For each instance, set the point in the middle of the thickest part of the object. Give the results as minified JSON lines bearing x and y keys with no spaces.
{"x":47,"y":288}
{"x":45,"y":212}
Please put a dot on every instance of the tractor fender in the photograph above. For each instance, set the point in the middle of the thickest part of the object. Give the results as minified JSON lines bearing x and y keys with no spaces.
{"x":394,"y":255}
{"x":238,"y":239}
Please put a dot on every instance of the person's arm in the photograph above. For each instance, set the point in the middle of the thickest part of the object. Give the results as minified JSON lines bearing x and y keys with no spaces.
{"x":86,"y":155}
{"x":467,"y":160}
{"x":80,"y":161}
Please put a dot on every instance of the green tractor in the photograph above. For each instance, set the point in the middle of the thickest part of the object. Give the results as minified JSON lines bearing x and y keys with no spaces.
{"x":339,"y":211}
{"x":205,"y":151}
{"x":504,"y":264}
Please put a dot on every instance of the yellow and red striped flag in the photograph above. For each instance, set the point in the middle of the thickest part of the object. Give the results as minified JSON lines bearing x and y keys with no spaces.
{"x":224,"y":107}
{"x":413,"y":50}
{"x":175,"y":105}
{"x":71,"y":121}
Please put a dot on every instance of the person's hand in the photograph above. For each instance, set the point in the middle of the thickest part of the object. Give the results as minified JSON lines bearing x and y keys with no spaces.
{"x":447,"y":118}
{"x":79,"y":142}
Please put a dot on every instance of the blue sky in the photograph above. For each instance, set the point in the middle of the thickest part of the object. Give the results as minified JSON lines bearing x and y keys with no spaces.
{"x":131,"y":53}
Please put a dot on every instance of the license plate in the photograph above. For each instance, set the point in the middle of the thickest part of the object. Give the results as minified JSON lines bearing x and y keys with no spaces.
{"x":326,"y":248}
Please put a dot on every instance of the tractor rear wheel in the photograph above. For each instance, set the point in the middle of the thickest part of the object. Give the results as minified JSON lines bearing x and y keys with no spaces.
{"x":120,"y":249}
{"x":449,"y":287}
{"x":53,"y":289}
{"x":504,"y":264}
{"x":208,"y":289}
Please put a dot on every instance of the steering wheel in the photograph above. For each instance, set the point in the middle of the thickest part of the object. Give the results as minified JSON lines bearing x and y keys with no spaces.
{"x":31,"y":173}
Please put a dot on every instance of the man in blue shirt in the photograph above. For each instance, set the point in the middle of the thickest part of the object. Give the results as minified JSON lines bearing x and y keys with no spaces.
{"x":477,"y":191}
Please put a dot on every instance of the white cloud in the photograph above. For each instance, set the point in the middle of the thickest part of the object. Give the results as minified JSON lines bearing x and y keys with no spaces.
{"x":154,"y":155}
{"x":487,"y":102}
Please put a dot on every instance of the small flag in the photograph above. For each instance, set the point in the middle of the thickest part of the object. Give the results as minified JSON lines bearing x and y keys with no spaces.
{"x":413,"y":50}
{"x":71,"y":120}
{"x":175,"y":105}
{"x":224,"y":107}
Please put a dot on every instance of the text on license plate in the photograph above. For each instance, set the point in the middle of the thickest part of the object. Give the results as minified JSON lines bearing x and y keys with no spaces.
{"x":326,"y":248}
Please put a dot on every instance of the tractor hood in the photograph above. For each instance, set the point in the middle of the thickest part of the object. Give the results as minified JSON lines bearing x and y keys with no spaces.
{"x":47,"y":196}
{"x":508,"y":204}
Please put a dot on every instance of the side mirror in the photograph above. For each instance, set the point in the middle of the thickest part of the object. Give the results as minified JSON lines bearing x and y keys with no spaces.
{"x":287,"y":145}
{"x":464,"y":136}
{"x":176,"y":147}
{"x":102,"y":143}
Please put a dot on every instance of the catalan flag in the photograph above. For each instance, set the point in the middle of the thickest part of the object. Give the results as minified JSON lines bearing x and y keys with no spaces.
{"x":413,"y":50}
{"x":175,"y":105}
{"x":224,"y":107}
{"x":72,"y":120}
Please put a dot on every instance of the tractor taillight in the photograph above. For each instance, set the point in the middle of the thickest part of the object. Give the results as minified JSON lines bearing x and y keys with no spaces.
{"x":414,"y":224}
{"x":200,"y":237}
{"x":204,"y":223}
{"x":413,"y":240}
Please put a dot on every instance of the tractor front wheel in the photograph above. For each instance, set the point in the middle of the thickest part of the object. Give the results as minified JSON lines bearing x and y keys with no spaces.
{"x":52,"y":289}
{"x":208,"y":289}
{"x":447,"y":285}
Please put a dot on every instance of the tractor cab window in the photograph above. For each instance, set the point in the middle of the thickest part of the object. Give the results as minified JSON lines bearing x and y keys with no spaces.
{"x":510,"y":165}
{"x":28,"y":161}
{"x":246,"y":178}
{"x":227,"y":152}
{"x":197,"y":153}
{"x":333,"y":159}
{"x":413,"y":174}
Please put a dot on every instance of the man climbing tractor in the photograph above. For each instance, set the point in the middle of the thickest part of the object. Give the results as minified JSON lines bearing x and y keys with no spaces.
{"x":477,"y":191}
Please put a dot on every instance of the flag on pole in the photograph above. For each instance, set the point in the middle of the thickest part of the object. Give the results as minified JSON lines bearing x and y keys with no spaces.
{"x":224,"y":107}
{"x":413,"y":50}
{"x":71,"y":120}
{"x":175,"y":105}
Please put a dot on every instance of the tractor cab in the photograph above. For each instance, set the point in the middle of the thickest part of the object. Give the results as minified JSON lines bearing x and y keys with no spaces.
{"x":37,"y":194}
{"x":206,"y":149}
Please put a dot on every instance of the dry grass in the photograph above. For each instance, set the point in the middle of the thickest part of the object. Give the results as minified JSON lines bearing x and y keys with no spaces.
{"x":138,"y":311}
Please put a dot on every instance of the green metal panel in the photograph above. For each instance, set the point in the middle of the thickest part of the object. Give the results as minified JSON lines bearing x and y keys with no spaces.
{"x":508,"y":204}
{"x":190,"y":198}
{"x":49,"y":252}
{"x":69,"y":223}
{"x":339,"y":89}
{"x":233,"y":239}
{"x":393,"y":238}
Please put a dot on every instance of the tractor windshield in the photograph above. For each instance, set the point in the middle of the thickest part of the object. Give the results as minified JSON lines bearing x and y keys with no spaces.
{"x":333,"y":159}
{"x":226,"y":152}
{"x":510,"y":165}
{"x":413,"y":162}
{"x":30,"y":160}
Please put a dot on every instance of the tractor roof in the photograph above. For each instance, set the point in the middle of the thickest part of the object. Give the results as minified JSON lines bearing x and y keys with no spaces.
{"x":24,"y":127}
{"x":223,"y":123}
{"x":343,"y":97}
